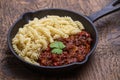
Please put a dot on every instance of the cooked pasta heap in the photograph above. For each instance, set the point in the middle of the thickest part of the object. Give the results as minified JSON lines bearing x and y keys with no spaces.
{"x":38,"y":33}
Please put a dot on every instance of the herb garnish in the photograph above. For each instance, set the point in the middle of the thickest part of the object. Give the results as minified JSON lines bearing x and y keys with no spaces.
{"x":57,"y":47}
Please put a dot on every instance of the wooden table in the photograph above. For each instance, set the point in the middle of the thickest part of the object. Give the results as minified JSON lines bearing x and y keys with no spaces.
{"x":103,"y":65}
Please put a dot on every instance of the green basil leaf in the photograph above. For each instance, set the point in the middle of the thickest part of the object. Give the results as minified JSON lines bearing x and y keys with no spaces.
{"x":54,"y":45}
{"x":57,"y":44}
{"x":61,"y":45}
{"x":57,"y":51}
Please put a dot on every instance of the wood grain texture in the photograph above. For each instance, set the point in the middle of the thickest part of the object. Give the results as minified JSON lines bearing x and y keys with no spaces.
{"x":104,"y":64}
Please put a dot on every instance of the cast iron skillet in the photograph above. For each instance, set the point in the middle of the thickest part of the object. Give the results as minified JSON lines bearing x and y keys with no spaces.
{"x":87,"y":21}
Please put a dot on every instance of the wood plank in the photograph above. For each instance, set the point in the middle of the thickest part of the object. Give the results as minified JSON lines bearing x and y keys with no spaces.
{"x":104,"y":64}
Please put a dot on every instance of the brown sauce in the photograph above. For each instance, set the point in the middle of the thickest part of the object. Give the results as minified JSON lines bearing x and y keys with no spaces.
{"x":77,"y":47}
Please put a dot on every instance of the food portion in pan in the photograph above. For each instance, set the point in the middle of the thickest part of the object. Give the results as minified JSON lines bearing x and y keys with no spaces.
{"x":52,"y":41}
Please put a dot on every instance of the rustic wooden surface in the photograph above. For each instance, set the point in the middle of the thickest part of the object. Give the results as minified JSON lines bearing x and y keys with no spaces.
{"x":103,"y":65}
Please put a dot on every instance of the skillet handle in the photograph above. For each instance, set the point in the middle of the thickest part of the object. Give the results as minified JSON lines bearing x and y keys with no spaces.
{"x":112,"y":7}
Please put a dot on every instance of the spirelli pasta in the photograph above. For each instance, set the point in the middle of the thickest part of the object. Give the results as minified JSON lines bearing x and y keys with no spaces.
{"x":38,"y":33}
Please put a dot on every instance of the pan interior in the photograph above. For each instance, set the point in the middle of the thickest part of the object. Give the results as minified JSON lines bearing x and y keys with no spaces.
{"x":89,"y":27}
